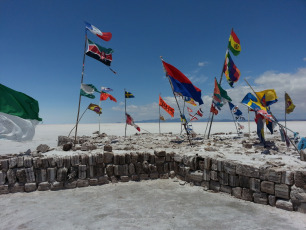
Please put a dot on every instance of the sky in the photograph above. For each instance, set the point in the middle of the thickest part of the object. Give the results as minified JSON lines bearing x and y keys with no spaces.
{"x":42,"y":48}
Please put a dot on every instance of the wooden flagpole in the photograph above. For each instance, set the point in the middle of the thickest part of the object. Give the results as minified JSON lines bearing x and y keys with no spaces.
{"x":125,"y":113}
{"x":177,"y":104}
{"x":212,"y":117}
{"x":77,"y":120}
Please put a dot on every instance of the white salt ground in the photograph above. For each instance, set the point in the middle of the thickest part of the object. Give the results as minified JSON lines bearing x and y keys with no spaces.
{"x":158,"y":204}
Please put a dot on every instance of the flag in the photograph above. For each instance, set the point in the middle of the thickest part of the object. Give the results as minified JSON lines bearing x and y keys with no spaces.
{"x":190,"y":101}
{"x":259,"y":119}
{"x":95,"y":108}
{"x":192,"y":117}
{"x":183,"y":119}
{"x":106,"y":89}
{"x":19,"y":115}
{"x":189,"y":110}
{"x":200,"y":112}
{"x":104,"y":96}
{"x":252,"y":102}
{"x":284,"y":136}
{"x":266,"y":115}
{"x":230,"y":70}
{"x":213,"y":109}
{"x":88,"y":90}
{"x":106,"y":36}
{"x":129,"y":95}
{"x":99,"y":53}
{"x":166,"y":107}
{"x":181,"y":84}
{"x":267,"y":97}
{"x":270,"y":125}
{"x":234,"y":43}
{"x":162,"y":118}
{"x":236,"y":111}
{"x":220,"y":96}
{"x":130,"y":121}
{"x":289,"y":106}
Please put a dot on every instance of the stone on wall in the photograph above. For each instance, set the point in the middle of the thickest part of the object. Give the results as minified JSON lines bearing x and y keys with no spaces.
{"x":27,"y":161}
{"x":82,"y":172}
{"x":4,"y":165}
{"x":230,"y":168}
{"x":214,"y":175}
{"x":51,"y":174}
{"x":43,"y":186}
{"x":247,"y":194}
{"x":62,"y":174}
{"x":260,"y":198}
{"x":282,"y":191}
{"x":20,"y":161}
{"x":4,"y":189}
{"x":75,"y":160}
{"x":21,"y":176}
{"x":226,"y":189}
{"x":267,"y":187}
{"x":196,"y":176}
{"x":247,"y":170}
{"x":244,"y":181}
{"x":214,"y":185}
{"x":272,"y":200}
{"x":17,"y":187}
{"x":287,"y":177}
{"x":255,"y":184}
{"x":11,"y":176}
{"x":57,"y":185}
{"x":237,"y":192}
{"x":108,"y":157}
{"x":233,"y":180}
{"x":298,"y":199}
{"x":30,"y":187}
{"x":283,"y":204}
{"x":124,"y":179}
{"x":2,"y":178}
{"x":300,"y":179}
{"x":12,"y":162}
{"x":82,"y":182}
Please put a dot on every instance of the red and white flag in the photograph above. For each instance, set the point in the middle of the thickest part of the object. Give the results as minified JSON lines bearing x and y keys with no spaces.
{"x":106,"y":36}
{"x":130,"y":121}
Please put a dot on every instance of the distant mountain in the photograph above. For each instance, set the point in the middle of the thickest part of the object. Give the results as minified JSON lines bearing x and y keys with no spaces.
{"x":205,"y":120}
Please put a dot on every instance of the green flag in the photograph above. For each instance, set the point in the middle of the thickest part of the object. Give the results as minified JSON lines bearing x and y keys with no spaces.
{"x":18,"y":104}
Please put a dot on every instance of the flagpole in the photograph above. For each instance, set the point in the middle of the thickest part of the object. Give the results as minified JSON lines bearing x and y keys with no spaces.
{"x":99,"y":117}
{"x":159,"y":115}
{"x":285,"y":114}
{"x":274,"y":118}
{"x":235,"y":123}
{"x":249,"y":122}
{"x":77,"y":120}
{"x":125,"y":113}
{"x":212,"y":118}
{"x":183,"y":113}
{"x":177,"y":104}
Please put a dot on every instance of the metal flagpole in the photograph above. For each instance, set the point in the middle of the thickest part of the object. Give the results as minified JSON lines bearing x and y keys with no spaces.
{"x":99,"y":117}
{"x":177,"y":104}
{"x":235,"y":123}
{"x":249,"y":121}
{"x":125,"y":113}
{"x":285,"y":114}
{"x":184,"y":114}
{"x":274,"y":117}
{"x":77,"y":120}
{"x":212,"y":118}
{"x":159,"y":114}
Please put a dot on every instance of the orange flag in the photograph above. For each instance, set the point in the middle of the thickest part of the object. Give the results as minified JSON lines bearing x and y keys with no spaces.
{"x":166,"y":107}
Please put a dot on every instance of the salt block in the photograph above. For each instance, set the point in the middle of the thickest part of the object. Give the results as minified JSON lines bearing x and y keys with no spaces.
{"x":237,"y":192}
{"x":247,"y":194}
{"x":267,"y":187}
{"x":4,"y":189}
{"x":283,"y":204}
{"x":30,"y":187}
{"x":82,"y":183}
{"x":260,"y":198}
{"x":43,"y":186}
{"x":282,"y":191}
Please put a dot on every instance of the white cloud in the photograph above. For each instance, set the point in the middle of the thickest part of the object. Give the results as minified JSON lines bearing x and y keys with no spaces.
{"x":304,"y":59}
{"x":203,"y":63}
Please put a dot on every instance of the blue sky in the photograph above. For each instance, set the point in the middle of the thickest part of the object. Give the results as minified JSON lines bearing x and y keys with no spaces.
{"x":42,"y":44}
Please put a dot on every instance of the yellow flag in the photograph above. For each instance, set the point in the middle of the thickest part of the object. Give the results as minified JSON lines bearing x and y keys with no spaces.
{"x":288,"y":104}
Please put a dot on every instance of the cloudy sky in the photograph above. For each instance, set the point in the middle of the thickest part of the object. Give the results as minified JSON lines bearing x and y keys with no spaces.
{"x":42,"y":46}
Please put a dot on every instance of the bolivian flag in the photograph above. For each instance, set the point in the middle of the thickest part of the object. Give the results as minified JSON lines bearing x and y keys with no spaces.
{"x":234,"y":43}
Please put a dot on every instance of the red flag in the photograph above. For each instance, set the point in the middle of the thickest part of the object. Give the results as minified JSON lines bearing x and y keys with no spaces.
{"x":130,"y":121}
{"x":200,"y":113}
{"x":213,"y":110}
{"x":166,"y":107}
{"x":189,"y":110}
{"x":104,"y":97}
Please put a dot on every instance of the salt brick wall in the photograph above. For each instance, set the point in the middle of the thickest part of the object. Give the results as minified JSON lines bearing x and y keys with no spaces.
{"x":268,"y":186}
